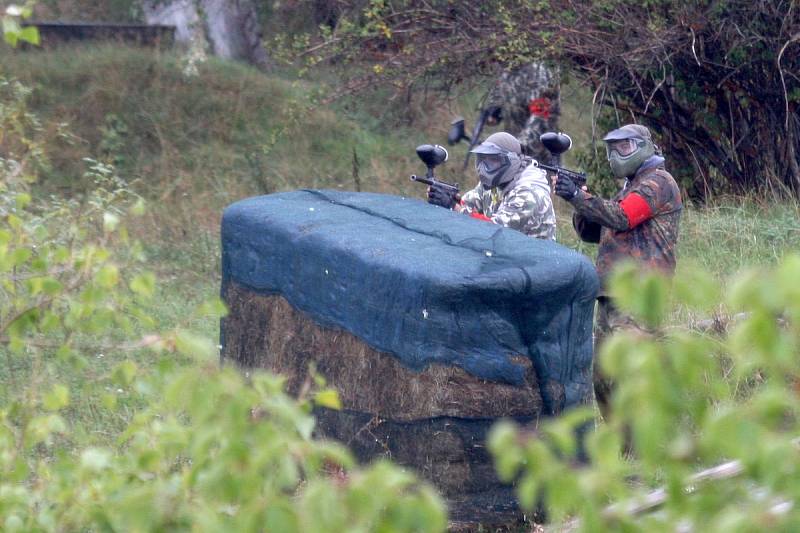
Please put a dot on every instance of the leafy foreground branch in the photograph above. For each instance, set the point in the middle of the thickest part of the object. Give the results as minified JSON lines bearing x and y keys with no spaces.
{"x":174,"y":448}
{"x":711,"y":422}
{"x":210,"y":452}
{"x":109,"y":423}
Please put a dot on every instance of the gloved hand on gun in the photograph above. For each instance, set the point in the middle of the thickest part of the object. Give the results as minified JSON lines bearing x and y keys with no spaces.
{"x":565,"y":187}
{"x":566,"y":183}
{"x":440,"y":192}
{"x":442,"y":196}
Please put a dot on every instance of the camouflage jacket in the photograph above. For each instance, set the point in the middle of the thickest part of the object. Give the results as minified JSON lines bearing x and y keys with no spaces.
{"x":640,"y":222}
{"x":524,"y":204}
{"x":529,"y":98}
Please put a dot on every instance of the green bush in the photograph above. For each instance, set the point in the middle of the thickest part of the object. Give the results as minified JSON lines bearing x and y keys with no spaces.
{"x":108,"y":422}
{"x":687,"y":400}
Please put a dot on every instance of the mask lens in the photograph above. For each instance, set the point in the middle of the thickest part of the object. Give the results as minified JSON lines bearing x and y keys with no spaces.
{"x":624,"y":148}
{"x":490,"y":161}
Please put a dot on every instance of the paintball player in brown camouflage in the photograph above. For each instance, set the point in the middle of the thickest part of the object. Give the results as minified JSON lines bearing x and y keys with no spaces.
{"x":512,"y":191}
{"x":527,"y":99}
{"x":640,"y":223}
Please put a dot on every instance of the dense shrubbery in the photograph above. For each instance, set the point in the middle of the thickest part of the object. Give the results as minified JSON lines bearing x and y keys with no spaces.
{"x":689,"y":401}
{"x":716,"y":79}
{"x":108,"y":422}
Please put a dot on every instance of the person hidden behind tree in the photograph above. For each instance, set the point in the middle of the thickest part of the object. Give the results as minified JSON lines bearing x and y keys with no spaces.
{"x":527,"y":99}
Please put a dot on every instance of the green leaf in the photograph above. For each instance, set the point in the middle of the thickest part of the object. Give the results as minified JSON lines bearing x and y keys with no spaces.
{"x":65,"y":353}
{"x":14,"y":222}
{"x":11,"y":30}
{"x":528,"y":491}
{"x":39,"y":263}
{"x":109,"y":401}
{"x":57,"y":398}
{"x":51,"y":286}
{"x":144,"y":284}
{"x":328,"y":398}
{"x":696,"y":288}
{"x":13,"y":523}
{"x":508,"y":455}
{"x":20,"y":470}
{"x":41,"y":428}
{"x":139,"y":208}
{"x":195,"y":346}
{"x":20,"y":256}
{"x":304,"y":426}
{"x":30,"y":34}
{"x":22,"y":200}
{"x":279,"y":516}
{"x":124,"y":373}
{"x":108,"y":276}
{"x":652,"y":304}
{"x":61,"y":255}
{"x":214,"y":308}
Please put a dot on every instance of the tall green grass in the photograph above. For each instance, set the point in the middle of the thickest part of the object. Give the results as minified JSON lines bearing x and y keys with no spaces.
{"x":722,"y":238}
{"x":226,"y":131}
{"x":193,"y":144}
{"x":736,"y":233}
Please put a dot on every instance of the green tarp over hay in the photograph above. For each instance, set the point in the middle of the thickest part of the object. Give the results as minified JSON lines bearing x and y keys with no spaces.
{"x":422,"y":283}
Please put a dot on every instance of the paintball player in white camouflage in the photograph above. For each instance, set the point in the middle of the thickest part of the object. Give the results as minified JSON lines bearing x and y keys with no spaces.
{"x":512,"y":190}
{"x":527,"y":99}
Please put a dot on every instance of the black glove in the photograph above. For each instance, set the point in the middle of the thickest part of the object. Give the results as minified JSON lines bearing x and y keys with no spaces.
{"x":566,"y":188}
{"x":441,"y":196}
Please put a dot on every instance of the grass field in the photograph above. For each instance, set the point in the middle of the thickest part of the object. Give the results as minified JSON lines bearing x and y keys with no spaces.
{"x":192,"y":145}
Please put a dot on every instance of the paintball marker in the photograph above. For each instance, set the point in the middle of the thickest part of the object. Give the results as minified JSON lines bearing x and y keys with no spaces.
{"x":557,"y":144}
{"x":433,"y":155}
{"x":457,"y":131}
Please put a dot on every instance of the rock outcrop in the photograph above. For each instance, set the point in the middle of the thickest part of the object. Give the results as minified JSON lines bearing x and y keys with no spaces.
{"x":230,"y":28}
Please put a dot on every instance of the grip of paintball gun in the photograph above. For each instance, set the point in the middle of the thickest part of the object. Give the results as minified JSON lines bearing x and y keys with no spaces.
{"x":441,"y":184}
{"x":578,"y":177}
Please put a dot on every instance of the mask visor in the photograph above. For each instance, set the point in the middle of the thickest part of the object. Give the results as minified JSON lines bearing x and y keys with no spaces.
{"x":491,"y":162}
{"x":623,"y":147}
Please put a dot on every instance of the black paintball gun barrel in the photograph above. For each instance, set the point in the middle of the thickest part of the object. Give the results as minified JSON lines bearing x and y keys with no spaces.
{"x":557,"y":144}
{"x":457,"y":132}
{"x":433,"y":155}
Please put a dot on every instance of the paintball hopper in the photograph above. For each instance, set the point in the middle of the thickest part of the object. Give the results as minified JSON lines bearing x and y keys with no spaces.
{"x":457,"y":132}
{"x":432,"y":154}
{"x":556,"y":143}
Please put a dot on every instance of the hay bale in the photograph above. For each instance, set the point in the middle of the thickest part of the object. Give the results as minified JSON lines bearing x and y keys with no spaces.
{"x":266,"y":332}
{"x":430,"y":325}
{"x":434,"y":420}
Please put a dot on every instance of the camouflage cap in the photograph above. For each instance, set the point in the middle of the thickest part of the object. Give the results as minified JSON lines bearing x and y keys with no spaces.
{"x":629,"y":131}
{"x":504,"y":141}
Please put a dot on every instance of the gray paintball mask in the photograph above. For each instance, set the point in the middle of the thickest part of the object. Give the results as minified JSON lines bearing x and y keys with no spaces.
{"x":495,"y":165}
